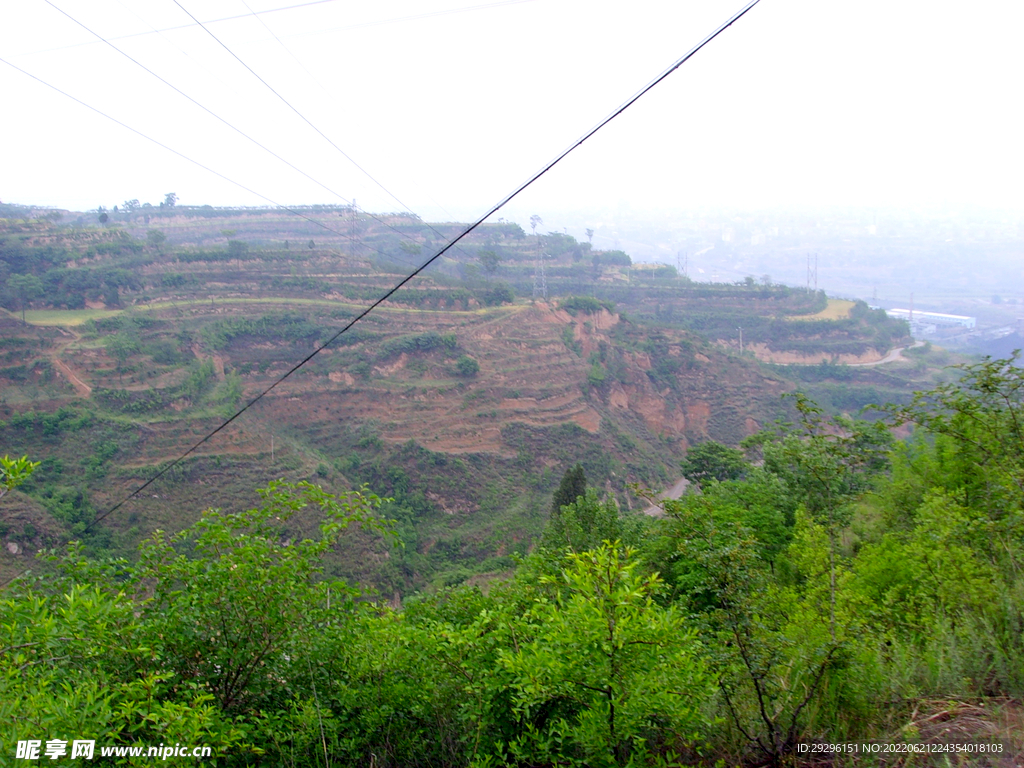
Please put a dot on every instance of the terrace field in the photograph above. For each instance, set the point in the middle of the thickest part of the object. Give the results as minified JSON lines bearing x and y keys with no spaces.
{"x":462,"y":397}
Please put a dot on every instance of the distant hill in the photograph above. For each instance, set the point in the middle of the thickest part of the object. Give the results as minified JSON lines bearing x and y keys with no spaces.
{"x":462,"y":398}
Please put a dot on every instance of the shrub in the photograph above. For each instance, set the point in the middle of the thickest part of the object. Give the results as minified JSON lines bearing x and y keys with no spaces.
{"x":467,"y":366}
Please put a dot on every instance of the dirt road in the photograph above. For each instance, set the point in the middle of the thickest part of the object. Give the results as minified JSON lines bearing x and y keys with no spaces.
{"x":83,"y":389}
{"x":894,"y":354}
{"x":674,"y":492}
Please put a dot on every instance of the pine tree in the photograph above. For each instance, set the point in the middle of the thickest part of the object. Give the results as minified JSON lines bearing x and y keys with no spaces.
{"x":573,"y":485}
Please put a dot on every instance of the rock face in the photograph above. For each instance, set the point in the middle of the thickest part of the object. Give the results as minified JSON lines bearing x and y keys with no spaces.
{"x":766,"y":355}
{"x":542,"y":367}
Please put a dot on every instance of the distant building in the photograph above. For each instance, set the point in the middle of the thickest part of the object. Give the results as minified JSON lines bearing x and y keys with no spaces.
{"x":937,"y":319}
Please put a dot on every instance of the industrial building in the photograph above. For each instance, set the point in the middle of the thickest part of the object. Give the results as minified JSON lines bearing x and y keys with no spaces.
{"x":937,"y":319}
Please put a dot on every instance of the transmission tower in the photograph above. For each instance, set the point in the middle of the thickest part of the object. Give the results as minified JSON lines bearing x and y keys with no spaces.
{"x":540,"y":281}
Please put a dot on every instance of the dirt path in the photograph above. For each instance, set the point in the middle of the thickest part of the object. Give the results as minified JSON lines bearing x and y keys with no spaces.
{"x":83,"y":389}
{"x":674,"y":492}
{"x":893,"y":355}
{"x":218,"y":361}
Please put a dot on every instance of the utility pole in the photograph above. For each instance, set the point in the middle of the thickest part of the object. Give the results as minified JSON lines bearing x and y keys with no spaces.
{"x":812,"y":274}
{"x":741,"y":339}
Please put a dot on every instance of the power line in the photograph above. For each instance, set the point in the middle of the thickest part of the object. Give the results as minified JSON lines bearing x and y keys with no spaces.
{"x":447,"y":247}
{"x":466,"y":231}
{"x":206,"y":109}
{"x":305,"y":119}
{"x":197,"y":163}
{"x":361,"y":25}
{"x":218,"y":117}
{"x":258,"y":16}
{"x":288,"y":104}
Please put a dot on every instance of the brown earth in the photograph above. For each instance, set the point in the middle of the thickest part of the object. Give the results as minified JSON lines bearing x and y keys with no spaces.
{"x":766,"y":355}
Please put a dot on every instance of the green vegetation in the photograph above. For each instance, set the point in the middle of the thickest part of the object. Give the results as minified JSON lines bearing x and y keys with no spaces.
{"x":584,"y":304}
{"x":831,"y":586}
{"x":467,"y":366}
{"x":713,"y":461}
{"x":824,"y":584}
{"x":425,"y":342}
{"x":14,"y":472}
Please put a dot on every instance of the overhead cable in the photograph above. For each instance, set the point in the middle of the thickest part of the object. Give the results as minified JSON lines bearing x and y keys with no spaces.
{"x":206,"y":168}
{"x":305,"y":119}
{"x":466,"y":231}
{"x":213,"y":114}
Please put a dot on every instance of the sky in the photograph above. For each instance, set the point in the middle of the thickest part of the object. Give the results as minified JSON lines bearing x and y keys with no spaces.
{"x":443,"y":107}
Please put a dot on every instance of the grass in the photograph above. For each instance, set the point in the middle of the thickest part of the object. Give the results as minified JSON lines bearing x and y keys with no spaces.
{"x":837,"y":309}
{"x":67,"y":316}
{"x":72,"y":317}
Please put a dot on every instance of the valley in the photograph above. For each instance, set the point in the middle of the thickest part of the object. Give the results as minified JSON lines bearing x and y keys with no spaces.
{"x":463,"y":398}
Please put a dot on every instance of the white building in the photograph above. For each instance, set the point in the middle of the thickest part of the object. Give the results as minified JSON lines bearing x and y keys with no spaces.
{"x":937,"y":319}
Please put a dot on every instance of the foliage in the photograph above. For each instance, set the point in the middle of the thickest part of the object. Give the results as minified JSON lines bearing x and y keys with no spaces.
{"x":713,"y":461}
{"x":424,"y":342}
{"x":246,"y":592}
{"x":499,"y":293}
{"x":286,"y":326}
{"x":584,"y":304}
{"x":610,"y":672}
{"x":825,"y":590}
{"x":614,"y":258}
{"x":14,"y":472}
{"x":467,"y":366}
{"x":572,"y":486}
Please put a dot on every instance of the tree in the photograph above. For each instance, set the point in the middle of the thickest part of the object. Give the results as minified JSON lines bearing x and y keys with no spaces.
{"x":25,"y":287}
{"x":587,"y":522}
{"x":467,"y":366}
{"x":607,"y":664}
{"x":489,"y":260}
{"x":534,"y":221}
{"x":155,"y":238}
{"x":14,"y":472}
{"x":311,"y":245}
{"x":590,"y":236}
{"x":237,"y":249}
{"x":499,"y":293}
{"x":170,"y":200}
{"x":130,"y":206}
{"x":713,"y":461}
{"x":227,"y":617}
{"x":572,"y":487}
{"x":982,"y":417}
{"x":766,"y":641}
{"x":121,"y":346}
{"x":829,"y":463}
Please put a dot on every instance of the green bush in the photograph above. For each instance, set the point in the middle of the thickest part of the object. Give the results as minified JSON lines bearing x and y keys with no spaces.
{"x":467,"y":366}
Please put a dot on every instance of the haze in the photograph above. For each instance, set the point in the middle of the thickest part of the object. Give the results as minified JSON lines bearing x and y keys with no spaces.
{"x":449,"y":105}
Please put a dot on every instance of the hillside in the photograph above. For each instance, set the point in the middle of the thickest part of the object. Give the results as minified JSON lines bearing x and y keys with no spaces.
{"x":462,"y":402}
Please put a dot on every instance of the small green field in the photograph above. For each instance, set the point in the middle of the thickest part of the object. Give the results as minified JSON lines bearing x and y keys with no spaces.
{"x":73,"y":317}
{"x":837,"y":309}
{"x":67,"y":317}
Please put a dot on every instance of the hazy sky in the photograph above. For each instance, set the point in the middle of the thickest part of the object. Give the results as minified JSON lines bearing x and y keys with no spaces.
{"x":451,"y":103}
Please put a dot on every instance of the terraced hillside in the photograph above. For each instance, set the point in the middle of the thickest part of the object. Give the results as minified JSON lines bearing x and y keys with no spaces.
{"x":461,"y":402}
